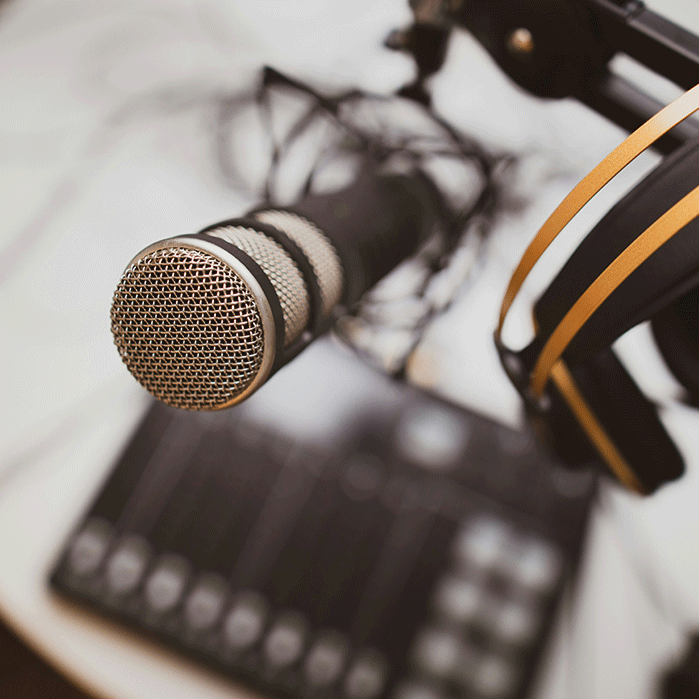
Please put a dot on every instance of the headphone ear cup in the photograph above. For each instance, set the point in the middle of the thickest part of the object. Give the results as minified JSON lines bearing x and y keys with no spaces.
{"x":676,"y":332}
{"x":625,"y":416}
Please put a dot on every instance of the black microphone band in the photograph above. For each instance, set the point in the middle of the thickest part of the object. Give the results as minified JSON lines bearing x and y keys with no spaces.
{"x":295,"y":252}
{"x":304,"y":265}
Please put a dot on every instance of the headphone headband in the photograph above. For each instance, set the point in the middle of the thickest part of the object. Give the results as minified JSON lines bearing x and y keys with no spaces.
{"x":545,"y":353}
{"x":580,"y":195}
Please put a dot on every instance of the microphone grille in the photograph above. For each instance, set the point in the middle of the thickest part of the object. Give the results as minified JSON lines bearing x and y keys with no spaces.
{"x":188,"y":328}
{"x":317,"y":248}
{"x":281,"y":270}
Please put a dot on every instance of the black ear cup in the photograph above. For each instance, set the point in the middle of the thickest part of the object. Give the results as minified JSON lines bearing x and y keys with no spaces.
{"x":676,"y":332}
{"x":629,"y":420}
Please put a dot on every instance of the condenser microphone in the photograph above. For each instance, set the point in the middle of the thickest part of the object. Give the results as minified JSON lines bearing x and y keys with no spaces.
{"x":203,"y":320}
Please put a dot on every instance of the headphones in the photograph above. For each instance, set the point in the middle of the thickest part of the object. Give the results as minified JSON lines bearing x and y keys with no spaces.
{"x":640,"y":262}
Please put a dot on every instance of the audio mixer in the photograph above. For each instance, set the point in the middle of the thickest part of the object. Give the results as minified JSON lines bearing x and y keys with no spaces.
{"x":415,"y":551}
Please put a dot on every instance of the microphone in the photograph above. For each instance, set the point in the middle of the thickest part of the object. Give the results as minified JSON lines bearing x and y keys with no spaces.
{"x":203,"y":320}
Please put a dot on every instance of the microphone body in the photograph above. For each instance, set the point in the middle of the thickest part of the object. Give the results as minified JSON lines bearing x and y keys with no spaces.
{"x":203,"y":320}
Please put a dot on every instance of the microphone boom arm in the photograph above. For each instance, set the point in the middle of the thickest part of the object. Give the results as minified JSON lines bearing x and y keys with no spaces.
{"x":557,"y":48}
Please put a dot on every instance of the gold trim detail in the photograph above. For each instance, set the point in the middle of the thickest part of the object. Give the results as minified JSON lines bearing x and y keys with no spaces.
{"x":592,"y":427}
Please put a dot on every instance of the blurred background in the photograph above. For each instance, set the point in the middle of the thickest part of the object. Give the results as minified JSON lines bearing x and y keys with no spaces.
{"x":118,"y":128}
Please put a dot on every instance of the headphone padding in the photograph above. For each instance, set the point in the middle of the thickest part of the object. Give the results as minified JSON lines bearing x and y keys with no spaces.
{"x":676,"y":332}
{"x":628,"y":417}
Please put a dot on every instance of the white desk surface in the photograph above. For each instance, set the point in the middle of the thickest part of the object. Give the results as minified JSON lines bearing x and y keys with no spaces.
{"x":105,"y":147}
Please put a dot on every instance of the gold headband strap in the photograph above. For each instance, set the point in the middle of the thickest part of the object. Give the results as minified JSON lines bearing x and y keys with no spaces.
{"x":597,"y":178}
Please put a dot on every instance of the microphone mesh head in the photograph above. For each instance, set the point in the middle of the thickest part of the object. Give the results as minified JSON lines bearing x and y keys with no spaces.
{"x":188,"y":328}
